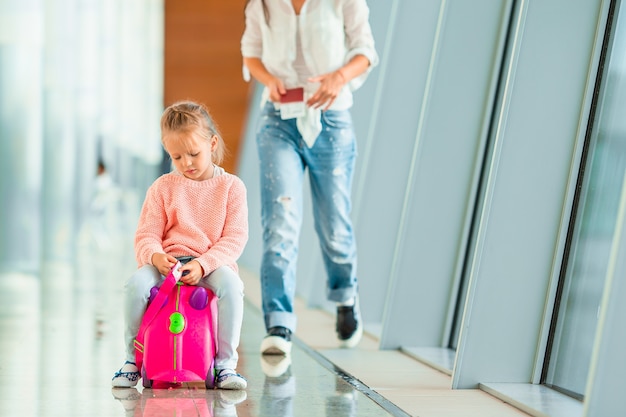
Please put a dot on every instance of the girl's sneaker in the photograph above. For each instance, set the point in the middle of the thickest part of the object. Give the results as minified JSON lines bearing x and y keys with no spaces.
{"x":229,"y":379}
{"x":127,"y":376}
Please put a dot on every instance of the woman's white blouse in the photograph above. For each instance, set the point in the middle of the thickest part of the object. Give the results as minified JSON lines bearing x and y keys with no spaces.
{"x":332,"y":32}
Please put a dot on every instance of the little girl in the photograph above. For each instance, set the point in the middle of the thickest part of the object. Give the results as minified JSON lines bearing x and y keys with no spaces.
{"x":199,"y":212}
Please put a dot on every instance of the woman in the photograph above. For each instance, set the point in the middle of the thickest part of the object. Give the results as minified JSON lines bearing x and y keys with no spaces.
{"x":310,"y":55}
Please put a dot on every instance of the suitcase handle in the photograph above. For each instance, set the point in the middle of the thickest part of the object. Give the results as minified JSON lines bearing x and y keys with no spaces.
{"x":166,"y":288}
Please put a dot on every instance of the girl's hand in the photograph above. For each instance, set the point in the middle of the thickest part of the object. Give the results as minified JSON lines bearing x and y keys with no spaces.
{"x":163,"y":262}
{"x":330,"y":87}
{"x":192,"y":273}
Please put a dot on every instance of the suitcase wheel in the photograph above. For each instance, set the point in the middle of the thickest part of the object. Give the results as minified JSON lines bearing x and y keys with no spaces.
{"x":147,"y":383}
{"x":209,"y":382}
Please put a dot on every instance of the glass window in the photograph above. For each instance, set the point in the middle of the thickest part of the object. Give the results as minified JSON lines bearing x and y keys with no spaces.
{"x":593,"y":228}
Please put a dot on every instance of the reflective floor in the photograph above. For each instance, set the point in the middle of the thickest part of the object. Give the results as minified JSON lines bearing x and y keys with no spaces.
{"x":61,"y":341}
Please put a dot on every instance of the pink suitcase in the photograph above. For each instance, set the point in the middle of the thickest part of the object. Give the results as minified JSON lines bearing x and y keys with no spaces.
{"x":176,"y":340}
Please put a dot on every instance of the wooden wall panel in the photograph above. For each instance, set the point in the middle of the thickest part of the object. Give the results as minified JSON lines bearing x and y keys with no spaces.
{"x":203,"y":63}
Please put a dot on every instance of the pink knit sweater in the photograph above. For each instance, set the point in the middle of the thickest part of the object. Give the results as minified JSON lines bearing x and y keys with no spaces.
{"x":204,"y":219}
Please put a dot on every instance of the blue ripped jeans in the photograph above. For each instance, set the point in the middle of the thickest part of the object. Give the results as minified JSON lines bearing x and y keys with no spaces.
{"x":284,"y":156}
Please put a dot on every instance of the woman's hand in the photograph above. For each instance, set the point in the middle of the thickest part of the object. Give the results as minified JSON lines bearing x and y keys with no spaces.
{"x":163,"y":262}
{"x":276,"y":88}
{"x":330,"y":87}
{"x":192,"y":273}
{"x":274,"y":85}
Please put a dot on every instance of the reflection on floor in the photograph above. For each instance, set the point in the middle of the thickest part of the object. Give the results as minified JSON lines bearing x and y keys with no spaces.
{"x":61,"y":342}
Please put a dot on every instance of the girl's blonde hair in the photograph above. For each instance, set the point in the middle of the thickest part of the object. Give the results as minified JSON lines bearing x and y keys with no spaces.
{"x":187,"y":116}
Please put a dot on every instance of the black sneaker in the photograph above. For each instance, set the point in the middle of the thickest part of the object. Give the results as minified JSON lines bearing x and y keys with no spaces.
{"x":349,"y":327}
{"x":277,"y":341}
